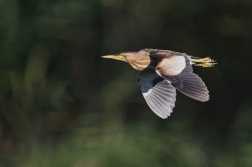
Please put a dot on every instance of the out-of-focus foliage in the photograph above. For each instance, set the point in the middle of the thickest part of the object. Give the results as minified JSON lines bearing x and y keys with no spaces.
{"x":61,"y":105}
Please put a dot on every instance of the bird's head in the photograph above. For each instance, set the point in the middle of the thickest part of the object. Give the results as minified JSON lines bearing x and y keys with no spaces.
{"x":124,"y":56}
{"x":138,"y":60}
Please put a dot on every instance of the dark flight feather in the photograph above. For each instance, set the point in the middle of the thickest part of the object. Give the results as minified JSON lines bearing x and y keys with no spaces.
{"x":186,"y":81}
{"x":158,"y":93}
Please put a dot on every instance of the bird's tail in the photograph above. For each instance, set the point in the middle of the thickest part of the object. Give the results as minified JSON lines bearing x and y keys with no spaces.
{"x":203,"y":62}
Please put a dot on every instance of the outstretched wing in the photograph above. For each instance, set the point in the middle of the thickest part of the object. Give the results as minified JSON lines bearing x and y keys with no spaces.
{"x":158,"y":93}
{"x":176,"y":68}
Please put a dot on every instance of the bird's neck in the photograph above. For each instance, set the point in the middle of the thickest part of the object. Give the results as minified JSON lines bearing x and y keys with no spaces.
{"x":145,"y":63}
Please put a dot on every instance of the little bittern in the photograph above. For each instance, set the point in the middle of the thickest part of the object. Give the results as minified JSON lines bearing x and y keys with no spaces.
{"x":164,"y":71}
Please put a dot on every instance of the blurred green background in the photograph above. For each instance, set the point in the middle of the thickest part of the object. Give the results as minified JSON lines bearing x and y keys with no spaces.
{"x":61,"y":105}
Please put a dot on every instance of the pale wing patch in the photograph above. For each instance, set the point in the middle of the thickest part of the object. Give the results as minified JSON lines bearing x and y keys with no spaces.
{"x":190,"y":84}
{"x":171,"y":66}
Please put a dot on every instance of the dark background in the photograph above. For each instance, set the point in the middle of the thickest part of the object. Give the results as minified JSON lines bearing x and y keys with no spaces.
{"x":62,"y":105}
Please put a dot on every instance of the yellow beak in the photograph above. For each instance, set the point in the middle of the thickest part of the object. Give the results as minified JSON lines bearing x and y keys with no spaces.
{"x":116,"y":57}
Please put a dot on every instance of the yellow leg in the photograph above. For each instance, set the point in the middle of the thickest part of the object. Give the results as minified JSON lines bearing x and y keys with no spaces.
{"x":204,"y":62}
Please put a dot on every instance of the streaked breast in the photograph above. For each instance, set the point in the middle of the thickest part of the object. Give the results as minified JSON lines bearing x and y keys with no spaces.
{"x":145,"y":62}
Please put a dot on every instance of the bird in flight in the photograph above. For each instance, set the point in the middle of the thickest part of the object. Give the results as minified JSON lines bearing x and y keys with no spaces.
{"x":164,"y":71}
